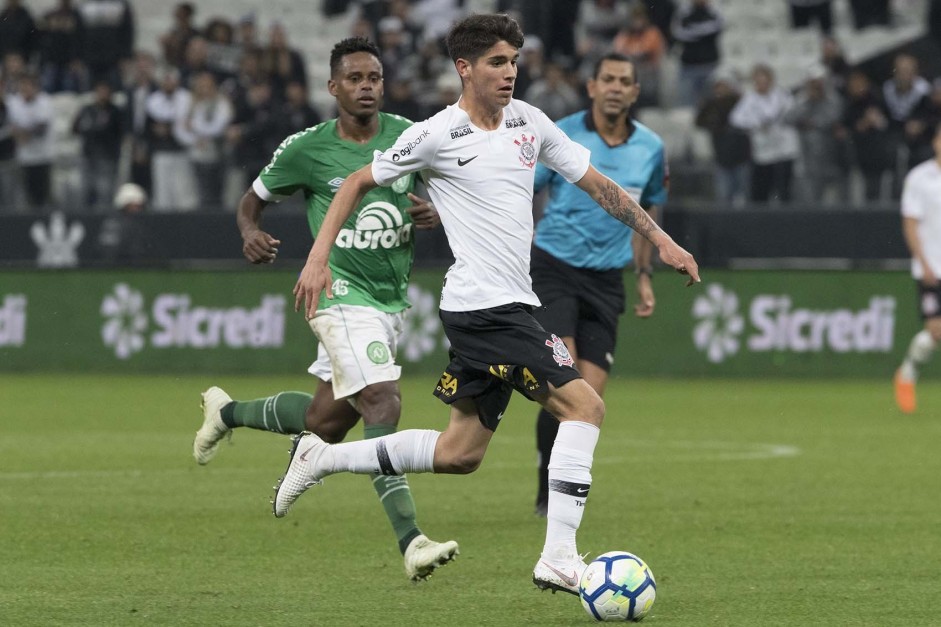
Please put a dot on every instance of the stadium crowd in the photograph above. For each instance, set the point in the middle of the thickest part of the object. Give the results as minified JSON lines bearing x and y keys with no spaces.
{"x":193,"y":121}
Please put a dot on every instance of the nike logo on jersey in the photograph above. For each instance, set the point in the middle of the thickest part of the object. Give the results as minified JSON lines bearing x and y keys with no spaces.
{"x":463,"y":162}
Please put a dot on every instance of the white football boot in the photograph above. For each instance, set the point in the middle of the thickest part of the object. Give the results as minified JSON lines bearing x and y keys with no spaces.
{"x":560,"y":573}
{"x":206,"y":443}
{"x":300,"y":474}
{"x":423,"y":556}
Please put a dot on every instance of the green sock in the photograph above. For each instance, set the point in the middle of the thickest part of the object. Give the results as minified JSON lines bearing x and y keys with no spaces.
{"x":284,"y":412}
{"x":395,"y":496}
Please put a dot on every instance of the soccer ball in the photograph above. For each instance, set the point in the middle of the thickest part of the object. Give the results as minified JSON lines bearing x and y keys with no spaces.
{"x":617,"y":586}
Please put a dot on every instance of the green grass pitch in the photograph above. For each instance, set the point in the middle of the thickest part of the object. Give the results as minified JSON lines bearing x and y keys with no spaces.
{"x":754,"y":502}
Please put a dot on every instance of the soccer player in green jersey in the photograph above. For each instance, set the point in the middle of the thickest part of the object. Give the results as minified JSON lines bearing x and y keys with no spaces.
{"x":359,"y":328}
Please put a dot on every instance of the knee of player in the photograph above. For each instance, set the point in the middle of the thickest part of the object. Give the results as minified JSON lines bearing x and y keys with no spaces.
{"x":459,"y":464}
{"x":593,"y":410}
{"x":380,"y":403}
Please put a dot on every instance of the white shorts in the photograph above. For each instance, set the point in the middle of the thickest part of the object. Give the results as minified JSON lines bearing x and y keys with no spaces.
{"x":357,"y":347}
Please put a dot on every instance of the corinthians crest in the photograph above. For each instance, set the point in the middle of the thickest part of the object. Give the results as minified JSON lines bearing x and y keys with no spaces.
{"x":527,"y":149}
{"x":560,"y":353}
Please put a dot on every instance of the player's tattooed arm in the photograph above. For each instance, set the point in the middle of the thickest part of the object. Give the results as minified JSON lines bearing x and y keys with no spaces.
{"x":619,"y":204}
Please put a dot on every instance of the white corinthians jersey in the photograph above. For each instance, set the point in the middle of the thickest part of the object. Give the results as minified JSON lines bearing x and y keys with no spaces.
{"x":921,"y":200}
{"x":481,"y":183}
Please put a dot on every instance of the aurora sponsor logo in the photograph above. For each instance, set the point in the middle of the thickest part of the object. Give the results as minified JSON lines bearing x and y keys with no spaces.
{"x":775,"y":324}
{"x":378,"y":225}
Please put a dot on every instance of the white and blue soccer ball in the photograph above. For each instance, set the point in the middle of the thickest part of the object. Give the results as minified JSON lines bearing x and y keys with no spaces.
{"x":617,"y":586}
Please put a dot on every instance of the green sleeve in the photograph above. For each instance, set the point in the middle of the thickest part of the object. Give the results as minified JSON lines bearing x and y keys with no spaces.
{"x":290,"y":167}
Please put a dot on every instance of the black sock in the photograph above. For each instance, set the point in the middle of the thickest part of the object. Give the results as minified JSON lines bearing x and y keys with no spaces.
{"x":546,"y":429}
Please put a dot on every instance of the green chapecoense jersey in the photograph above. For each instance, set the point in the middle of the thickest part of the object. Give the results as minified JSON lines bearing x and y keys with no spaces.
{"x":373,"y":255}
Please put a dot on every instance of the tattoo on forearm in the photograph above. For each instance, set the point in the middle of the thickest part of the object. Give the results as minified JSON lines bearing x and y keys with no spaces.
{"x":615,"y":201}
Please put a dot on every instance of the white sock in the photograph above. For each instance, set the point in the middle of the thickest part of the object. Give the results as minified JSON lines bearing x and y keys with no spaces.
{"x":412,"y":450}
{"x":919,"y":352}
{"x":569,"y":482}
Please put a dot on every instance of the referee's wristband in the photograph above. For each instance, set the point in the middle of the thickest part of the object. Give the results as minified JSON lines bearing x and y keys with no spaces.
{"x":648,"y":270}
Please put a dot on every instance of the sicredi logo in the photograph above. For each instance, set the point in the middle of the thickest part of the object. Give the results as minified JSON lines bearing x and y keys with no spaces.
{"x":173,"y":321}
{"x":378,"y":224}
{"x":776,"y":325}
{"x":13,"y":320}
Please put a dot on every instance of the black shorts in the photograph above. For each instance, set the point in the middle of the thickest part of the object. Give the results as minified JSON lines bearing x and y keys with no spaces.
{"x":580,"y":303}
{"x":929,"y":301}
{"x":496,"y":350}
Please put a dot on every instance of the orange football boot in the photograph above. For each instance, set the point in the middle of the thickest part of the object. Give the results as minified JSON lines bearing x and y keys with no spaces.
{"x":904,"y":394}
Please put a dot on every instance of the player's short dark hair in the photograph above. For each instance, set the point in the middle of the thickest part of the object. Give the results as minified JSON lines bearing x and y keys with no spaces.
{"x":471,"y":37}
{"x":613,"y":56}
{"x":349,"y":46}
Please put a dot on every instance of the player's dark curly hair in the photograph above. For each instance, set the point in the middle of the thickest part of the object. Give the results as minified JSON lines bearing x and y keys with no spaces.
{"x":471,"y":37}
{"x":349,"y":46}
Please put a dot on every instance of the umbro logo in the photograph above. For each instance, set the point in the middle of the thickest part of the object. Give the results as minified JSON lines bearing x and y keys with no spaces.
{"x":463,"y":162}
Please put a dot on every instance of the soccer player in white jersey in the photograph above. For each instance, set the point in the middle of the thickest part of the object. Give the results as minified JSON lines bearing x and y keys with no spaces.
{"x":478,"y":158}
{"x":921,"y":225}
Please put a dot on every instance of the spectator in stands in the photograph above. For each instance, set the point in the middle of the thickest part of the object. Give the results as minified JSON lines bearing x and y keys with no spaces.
{"x":283,"y":63}
{"x":143,"y":83}
{"x":17,"y":30}
{"x":14,"y":68}
{"x":297,"y":112}
{"x":171,"y":173}
{"x":804,"y":12}
{"x":865,"y":125}
{"x":202,"y":130}
{"x":395,"y":45}
{"x":816,"y":115}
{"x":174,"y":42}
{"x":730,"y":145}
{"x":774,"y":142}
{"x":100,"y":124}
{"x":426,"y":68}
{"x":60,"y":52}
{"x":531,"y":64}
{"x":222,"y":53}
{"x":553,"y":94}
{"x":122,"y":239}
{"x":597,"y":24}
{"x":644,"y":44}
{"x":661,"y":15}
{"x":250,"y":73}
{"x":247,"y":34}
{"x":923,"y":124}
{"x":697,"y":26}
{"x":30,"y":112}
{"x":435,"y":17}
{"x":195,"y":60}
{"x":109,"y":38}
{"x":400,"y":99}
{"x":9,"y":170}
{"x":905,"y":94}
{"x":831,"y":56}
{"x":256,"y":131}
{"x":870,"y":13}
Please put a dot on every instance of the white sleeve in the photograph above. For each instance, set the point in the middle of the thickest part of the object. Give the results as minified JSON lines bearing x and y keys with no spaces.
{"x":912,"y":199}
{"x":414,"y":150}
{"x":559,"y":152}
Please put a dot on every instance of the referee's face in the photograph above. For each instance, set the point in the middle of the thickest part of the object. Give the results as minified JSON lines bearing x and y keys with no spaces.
{"x":614,"y":90}
{"x":357,"y":84}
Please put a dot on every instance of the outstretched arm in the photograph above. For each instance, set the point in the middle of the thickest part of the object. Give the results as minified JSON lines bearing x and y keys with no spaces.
{"x":619,"y":204}
{"x":316,"y":277}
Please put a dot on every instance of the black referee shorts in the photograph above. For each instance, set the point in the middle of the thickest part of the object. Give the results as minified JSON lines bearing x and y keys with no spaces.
{"x":497,"y":350}
{"x":580,"y":303}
